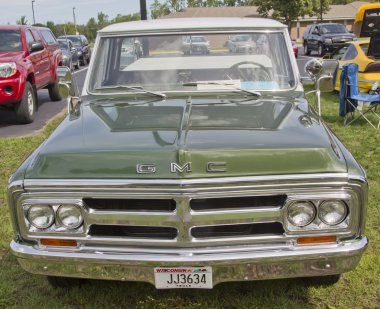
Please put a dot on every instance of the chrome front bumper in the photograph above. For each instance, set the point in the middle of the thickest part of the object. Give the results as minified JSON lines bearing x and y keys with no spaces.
{"x":228,"y":265}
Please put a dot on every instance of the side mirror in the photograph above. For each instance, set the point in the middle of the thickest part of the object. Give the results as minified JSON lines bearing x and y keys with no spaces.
{"x":323,"y":73}
{"x":67,"y":89}
{"x":36,"y":47}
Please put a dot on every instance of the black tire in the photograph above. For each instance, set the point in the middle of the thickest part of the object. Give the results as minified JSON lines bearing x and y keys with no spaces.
{"x":306,"y":49}
{"x":65,"y":282}
{"x":83,"y":62}
{"x":26,"y":108}
{"x":321,"y":50}
{"x":77,"y":65}
{"x":54,"y":92}
{"x":322,"y":280}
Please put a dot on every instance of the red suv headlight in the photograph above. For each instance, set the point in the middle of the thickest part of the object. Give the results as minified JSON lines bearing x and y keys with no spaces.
{"x":8,"y":69}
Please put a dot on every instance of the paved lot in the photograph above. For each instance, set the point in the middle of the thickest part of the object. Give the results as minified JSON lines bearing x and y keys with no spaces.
{"x":9,"y":127}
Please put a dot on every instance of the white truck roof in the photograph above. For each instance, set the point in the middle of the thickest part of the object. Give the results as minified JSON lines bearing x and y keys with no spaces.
{"x":193,"y":24}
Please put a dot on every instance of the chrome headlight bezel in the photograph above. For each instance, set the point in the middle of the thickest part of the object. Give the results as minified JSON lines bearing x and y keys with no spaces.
{"x":60,"y":220}
{"x":49,"y":212}
{"x":341,"y":204}
{"x":304,"y":207}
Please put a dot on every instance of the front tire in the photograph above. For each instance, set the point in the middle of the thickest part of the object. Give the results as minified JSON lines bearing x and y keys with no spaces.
{"x":306,"y":49}
{"x":322,"y":280}
{"x":26,"y":108}
{"x":64,"y":282}
{"x":54,"y":92}
{"x":321,"y":50}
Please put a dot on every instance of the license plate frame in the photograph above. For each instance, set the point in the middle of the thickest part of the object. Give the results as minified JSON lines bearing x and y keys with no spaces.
{"x":183,"y":277}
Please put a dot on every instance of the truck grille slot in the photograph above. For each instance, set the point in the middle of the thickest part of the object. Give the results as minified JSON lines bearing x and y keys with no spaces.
{"x":238,"y":202}
{"x":237,"y":230}
{"x":151,"y":232}
{"x":146,"y":205}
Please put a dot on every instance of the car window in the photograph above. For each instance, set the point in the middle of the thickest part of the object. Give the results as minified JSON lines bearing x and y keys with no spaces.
{"x":36,"y":35}
{"x":29,"y":38}
{"x":10,"y":40}
{"x":339,"y":53}
{"x":333,"y":28}
{"x":48,"y":37}
{"x":350,"y":54}
{"x":75,"y":40}
{"x":364,"y":47}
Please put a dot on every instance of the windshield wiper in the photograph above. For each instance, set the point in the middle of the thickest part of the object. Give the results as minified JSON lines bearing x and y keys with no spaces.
{"x":137,"y":88}
{"x":233,"y":86}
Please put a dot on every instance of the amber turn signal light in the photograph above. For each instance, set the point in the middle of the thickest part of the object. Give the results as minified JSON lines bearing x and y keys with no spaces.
{"x":316,"y":240}
{"x":58,"y":242}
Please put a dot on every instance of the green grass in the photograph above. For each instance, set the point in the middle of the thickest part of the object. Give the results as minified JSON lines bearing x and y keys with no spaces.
{"x":357,"y":289}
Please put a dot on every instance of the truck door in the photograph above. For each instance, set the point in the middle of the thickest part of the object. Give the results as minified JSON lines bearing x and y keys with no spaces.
{"x":45,"y":59}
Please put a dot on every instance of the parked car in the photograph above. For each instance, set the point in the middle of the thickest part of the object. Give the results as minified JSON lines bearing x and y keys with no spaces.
{"x":241,"y":44}
{"x":365,"y":52}
{"x":29,"y":57}
{"x":295,"y":48}
{"x":70,"y":54}
{"x":325,"y":37}
{"x":195,"y":44}
{"x":186,"y":172}
{"x":81,"y":44}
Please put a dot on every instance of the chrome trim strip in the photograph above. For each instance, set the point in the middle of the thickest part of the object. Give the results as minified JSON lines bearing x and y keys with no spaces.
{"x":308,"y":179}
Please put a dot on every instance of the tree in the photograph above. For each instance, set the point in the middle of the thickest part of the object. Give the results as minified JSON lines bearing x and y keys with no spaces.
{"x":102,"y":20}
{"x":52,"y":27}
{"x":22,"y":21}
{"x":290,"y":10}
{"x":157,"y":9}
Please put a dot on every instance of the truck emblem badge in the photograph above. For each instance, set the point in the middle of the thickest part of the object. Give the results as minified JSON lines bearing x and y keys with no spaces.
{"x":175,"y":168}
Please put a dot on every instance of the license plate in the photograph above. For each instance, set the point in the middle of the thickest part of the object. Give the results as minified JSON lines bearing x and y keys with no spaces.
{"x":183,"y":277}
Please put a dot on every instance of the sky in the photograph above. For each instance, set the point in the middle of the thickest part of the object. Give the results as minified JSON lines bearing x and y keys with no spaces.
{"x":61,"y":11}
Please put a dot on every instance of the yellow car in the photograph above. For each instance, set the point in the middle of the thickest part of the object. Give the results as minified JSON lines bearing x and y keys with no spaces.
{"x":357,"y":52}
{"x":365,"y":52}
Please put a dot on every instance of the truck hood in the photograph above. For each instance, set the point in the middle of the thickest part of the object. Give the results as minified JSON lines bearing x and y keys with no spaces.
{"x":11,"y":56}
{"x":108,"y":139}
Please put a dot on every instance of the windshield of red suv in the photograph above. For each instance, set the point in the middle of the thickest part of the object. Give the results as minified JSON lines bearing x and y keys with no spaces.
{"x":10,"y":40}
{"x":333,"y":28}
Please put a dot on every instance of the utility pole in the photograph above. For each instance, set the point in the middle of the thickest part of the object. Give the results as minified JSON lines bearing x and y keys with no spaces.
{"x":34,"y":20}
{"x":143,"y":10}
{"x":75,"y":21}
{"x":321,"y":10}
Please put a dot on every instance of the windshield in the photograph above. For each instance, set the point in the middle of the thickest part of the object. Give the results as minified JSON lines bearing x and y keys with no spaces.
{"x":76,"y":41}
{"x":10,"y":40}
{"x":170,"y":63}
{"x":333,"y":28}
{"x":63,"y":45}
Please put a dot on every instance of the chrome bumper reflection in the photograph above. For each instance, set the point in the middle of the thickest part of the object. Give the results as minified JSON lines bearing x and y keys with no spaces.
{"x":226,"y":266}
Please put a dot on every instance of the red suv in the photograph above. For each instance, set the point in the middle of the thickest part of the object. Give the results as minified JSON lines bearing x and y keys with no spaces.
{"x":29,"y":57}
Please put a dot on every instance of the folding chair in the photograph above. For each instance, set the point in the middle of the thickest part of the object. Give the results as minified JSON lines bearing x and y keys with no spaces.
{"x":352,"y":99}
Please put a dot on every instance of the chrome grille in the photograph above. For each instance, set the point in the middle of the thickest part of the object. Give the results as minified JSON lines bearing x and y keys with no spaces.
{"x":195,"y":209}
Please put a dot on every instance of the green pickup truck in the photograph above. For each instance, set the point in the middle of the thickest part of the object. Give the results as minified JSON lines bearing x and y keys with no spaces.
{"x":186,"y":171}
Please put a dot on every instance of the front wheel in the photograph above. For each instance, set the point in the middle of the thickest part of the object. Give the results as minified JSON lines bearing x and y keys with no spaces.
{"x":321,"y":50}
{"x":26,"y":108}
{"x":64,"y":282}
{"x":306,"y":50}
{"x":322,"y":280}
{"x":54,"y":92}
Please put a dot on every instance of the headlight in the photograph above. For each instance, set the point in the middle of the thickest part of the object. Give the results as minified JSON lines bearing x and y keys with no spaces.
{"x":332,"y":212}
{"x":64,"y":57}
{"x":301,"y":213}
{"x":41,"y":216}
{"x":8,"y":69}
{"x":328,"y":41}
{"x":79,"y":52}
{"x":70,"y":216}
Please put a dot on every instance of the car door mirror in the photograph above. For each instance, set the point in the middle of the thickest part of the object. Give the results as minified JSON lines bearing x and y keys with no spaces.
{"x":36,"y":47}
{"x":68,"y":90}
